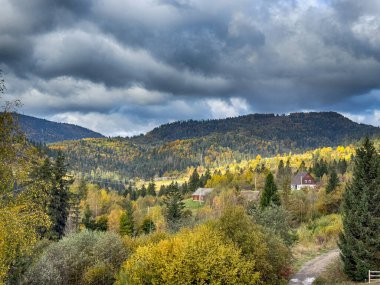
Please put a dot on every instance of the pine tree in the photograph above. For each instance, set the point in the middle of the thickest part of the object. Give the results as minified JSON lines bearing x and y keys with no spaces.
{"x":151,"y":190}
{"x":194,"y":181}
{"x":58,"y":208}
{"x":333,"y":182}
{"x":269,"y":195}
{"x":87,"y":220}
{"x":127,"y":223}
{"x":280,"y":170}
{"x":148,"y":226}
{"x":360,"y":240}
{"x":142,"y":191}
{"x":162,"y":191}
{"x":288,"y":169}
{"x":173,"y":206}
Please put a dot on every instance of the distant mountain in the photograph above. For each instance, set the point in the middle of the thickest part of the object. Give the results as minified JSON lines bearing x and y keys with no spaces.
{"x":41,"y":130}
{"x":304,"y":129}
{"x":176,"y":146}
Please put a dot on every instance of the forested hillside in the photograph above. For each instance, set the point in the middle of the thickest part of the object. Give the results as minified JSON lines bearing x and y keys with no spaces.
{"x":40,"y":130}
{"x":302,"y":130}
{"x":177,"y":146}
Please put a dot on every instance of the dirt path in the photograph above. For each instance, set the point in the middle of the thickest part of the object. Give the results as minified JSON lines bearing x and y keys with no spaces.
{"x":311,"y":269}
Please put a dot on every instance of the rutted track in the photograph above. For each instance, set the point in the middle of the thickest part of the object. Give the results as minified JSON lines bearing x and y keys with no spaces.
{"x":311,"y":269}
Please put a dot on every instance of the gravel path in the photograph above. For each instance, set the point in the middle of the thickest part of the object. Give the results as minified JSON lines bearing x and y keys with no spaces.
{"x":311,"y":269}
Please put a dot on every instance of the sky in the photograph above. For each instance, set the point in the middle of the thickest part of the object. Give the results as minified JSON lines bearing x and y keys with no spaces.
{"x":123,"y":67}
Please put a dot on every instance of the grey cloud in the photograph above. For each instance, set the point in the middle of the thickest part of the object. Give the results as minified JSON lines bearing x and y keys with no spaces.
{"x":278,"y":56}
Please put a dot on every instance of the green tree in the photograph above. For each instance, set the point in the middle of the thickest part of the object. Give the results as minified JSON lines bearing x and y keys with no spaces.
{"x":173,"y":206}
{"x":87,"y":219}
{"x":360,"y":240}
{"x":22,"y":211}
{"x":194,"y":181}
{"x":58,"y":208}
{"x":280,"y":170}
{"x":127,"y":223}
{"x":269,"y":195}
{"x":333,"y":182}
{"x":148,"y":226}
{"x":142,"y":191}
{"x":151,"y":190}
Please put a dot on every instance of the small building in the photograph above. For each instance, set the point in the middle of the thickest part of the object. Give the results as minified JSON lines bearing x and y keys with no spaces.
{"x":302,"y":180}
{"x":201,"y":193}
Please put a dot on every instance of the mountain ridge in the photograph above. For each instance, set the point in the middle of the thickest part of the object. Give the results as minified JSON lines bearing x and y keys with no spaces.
{"x":45,"y":131}
{"x":179,"y":145}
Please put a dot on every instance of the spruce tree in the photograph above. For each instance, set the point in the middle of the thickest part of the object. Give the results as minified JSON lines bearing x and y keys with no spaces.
{"x":174,"y":206}
{"x":148,"y":226}
{"x":127,"y":223}
{"x":194,"y":181}
{"x":151,"y":190}
{"x":142,"y":191}
{"x":270,"y":194}
{"x":58,"y":208}
{"x":333,"y":182}
{"x":280,"y":170}
{"x":360,"y":240}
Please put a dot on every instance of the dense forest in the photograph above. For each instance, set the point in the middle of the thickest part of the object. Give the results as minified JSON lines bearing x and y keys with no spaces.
{"x":44,"y":131}
{"x":174,"y":147}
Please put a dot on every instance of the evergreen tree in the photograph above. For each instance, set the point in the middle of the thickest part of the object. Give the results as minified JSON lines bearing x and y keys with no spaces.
{"x":148,"y":226}
{"x":58,"y":208}
{"x":194,"y":181}
{"x":127,"y":223}
{"x":288,"y":169}
{"x":101,"y":224}
{"x":174,"y":206}
{"x":162,"y":191}
{"x":142,"y":191}
{"x":342,"y":166}
{"x":286,"y":190}
{"x":184,"y":188}
{"x":333,"y":182}
{"x":360,"y":240}
{"x":129,"y":191}
{"x":280,"y":170}
{"x":87,"y":219}
{"x":269,"y":195}
{"x":204,"y":178}
{"x":151,"y":190}
{"x":82,"y":189}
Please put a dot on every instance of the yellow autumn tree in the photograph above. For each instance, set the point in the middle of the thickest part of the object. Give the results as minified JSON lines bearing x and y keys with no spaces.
{"x":198,"y":256}
{"x":21,"y":210}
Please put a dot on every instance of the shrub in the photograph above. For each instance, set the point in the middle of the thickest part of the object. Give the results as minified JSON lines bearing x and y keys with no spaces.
{"x":66,"y":261}
{"x":198,"y":256}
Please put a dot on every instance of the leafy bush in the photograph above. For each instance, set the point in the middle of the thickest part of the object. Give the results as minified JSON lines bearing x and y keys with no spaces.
{"x":275,"y":219}
{"x":68,"y":260}
{"x":323,"y":230}
{"x":272,"y":257}
{"x":99,"y":274}
{"x":198,"y":256}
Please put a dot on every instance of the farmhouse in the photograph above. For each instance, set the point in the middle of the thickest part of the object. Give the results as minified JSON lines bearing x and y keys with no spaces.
{"x":201,"y":193}
{"x":301,"y":180}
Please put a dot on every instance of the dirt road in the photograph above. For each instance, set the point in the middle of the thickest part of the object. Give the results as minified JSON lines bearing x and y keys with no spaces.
{"x":310,"y":270}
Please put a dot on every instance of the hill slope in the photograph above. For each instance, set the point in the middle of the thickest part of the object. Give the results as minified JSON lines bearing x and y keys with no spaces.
{"x":179,"y":145}
{"x":41,"y":130}
{"x":305,"y":129}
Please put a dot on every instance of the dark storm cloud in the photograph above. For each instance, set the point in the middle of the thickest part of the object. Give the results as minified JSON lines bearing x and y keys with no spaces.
{"x":153,"y":61}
